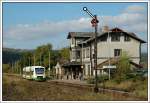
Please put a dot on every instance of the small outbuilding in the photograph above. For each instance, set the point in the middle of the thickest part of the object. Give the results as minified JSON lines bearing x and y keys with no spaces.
{"x":59,"y":71}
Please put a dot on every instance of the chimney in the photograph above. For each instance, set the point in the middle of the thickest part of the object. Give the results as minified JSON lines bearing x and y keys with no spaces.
{"x":105,"y":29}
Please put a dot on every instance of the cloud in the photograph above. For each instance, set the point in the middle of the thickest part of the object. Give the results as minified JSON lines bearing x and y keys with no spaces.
{"x":134,"y":8}
{"x":127,"y":20}
{"x":46,"y":28}
{"x":132,"y":19}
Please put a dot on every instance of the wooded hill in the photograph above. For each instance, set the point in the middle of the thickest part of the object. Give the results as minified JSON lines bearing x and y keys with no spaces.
{"x":10,"y":55}
{"x":38,"y":56}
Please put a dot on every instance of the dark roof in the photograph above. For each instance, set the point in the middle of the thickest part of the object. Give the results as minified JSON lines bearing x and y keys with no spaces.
{"x":135,"y":37}
{"x":115,"y":30}
{"x":80,"y":34}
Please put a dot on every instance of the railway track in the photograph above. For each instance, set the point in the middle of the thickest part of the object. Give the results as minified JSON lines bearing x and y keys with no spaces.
{"x":88,"y":87}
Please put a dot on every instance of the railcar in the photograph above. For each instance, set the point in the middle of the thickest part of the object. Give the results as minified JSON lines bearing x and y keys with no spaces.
{"x":36,"y":73}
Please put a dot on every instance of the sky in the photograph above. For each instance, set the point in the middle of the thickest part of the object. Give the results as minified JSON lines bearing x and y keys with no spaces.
{"x":28,"y":25}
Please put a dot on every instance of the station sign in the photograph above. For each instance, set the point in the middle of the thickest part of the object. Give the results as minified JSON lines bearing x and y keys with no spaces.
{"x":110,"y":67}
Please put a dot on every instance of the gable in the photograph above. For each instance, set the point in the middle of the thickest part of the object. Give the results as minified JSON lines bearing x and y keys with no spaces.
{"x":116,"y":30}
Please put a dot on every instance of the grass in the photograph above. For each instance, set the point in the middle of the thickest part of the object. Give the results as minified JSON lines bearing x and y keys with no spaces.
{"x":17,"y":89}
{"x":141,"y":88}
{"x":137,"y":87}
{"x":31,"y":90}
{"x":125,"y":86}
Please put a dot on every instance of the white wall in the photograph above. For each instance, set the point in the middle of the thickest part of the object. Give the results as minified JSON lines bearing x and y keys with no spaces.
{"x":106,"y":49}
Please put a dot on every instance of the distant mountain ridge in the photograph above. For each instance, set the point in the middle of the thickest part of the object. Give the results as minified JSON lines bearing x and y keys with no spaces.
{"x":10,"y":55}
{"x":16,"y":50}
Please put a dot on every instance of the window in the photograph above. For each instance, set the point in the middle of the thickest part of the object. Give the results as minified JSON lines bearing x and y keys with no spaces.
{"x":87,"y":52}
{"x":126,"y":38}
{"x":89,"y":70}
{"x":73,"y":41}
{"x":39,"y":70}
{"x":78,"y":41}
{"x":117,"y":52}
{"x":103,"y":38}
{"x":84,"y":71}
{"x":78,"y":54}
{"x":115,"y":37}
{"x":83,"y":53}
{"x":73,"y":54}
{"x":28,"y":72}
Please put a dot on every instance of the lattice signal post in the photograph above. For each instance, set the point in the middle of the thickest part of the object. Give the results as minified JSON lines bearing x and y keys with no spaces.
{"x":95,"y":25}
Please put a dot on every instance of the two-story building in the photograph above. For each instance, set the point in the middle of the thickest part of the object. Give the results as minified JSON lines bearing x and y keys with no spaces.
{"x":110,"y":44}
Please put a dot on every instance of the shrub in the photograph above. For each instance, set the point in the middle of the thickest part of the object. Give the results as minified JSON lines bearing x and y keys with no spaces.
{"x":100,"y":78}
{"x":135,"y":77}
{"x":7,"y":68}
{"x":91,"y":80}
{"x":123,"y":68}
{"x":49,"y":78}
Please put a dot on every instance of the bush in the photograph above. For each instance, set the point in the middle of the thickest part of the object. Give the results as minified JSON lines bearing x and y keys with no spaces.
{"x":6,"y":68}
{"x":130,"y":75}
{"x":100,"y":78}
{"x":91,"y":80}
{"x":123,"y":68}
{"x":135,"y":77}
{"x":49,"y":78}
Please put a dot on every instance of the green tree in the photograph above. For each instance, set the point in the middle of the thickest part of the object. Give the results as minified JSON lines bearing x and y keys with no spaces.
{"x":123,"y":67}
{"x":65,"y":54}
{"x":41,"y":55}
{"x":55,"y":57}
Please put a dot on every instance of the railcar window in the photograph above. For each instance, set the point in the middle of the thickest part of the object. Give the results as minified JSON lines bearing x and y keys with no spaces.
{"x":28,"y":73}
{"x":39,"y":70}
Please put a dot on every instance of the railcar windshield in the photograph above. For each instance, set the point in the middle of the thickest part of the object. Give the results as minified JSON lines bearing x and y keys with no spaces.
{"x":39,"y":70}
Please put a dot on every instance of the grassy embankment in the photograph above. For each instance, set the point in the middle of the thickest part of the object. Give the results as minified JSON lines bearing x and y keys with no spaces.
{"x":138,"y":87}
{"x":16,"y":88}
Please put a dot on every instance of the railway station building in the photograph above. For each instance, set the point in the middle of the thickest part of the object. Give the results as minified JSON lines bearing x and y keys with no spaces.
{"x":110,"y":44}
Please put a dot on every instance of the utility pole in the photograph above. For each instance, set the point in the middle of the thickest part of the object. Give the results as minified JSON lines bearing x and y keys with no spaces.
{"x":20,"y":68}
{"x":29,"y":61}
{"x":109,"y":53}
{"x":82,"y":60}
{"x":17,"y":66}
{"x":34,"y":59}
{"x":49,"y":63}
{"x":95,"y":25}
{"x":12,"y":67}
{"x":40,"y":59}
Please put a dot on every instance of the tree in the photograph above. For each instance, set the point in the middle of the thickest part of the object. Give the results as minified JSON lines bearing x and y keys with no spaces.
{"x":42,"y":55}
{"x":65,"y":54}
{"x":39,"y":56}
{"x":123,"y":67}
{"x":55,"y":57}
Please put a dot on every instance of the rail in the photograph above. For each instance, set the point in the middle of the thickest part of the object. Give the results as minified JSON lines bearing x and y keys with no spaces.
{"x":89,"y":87}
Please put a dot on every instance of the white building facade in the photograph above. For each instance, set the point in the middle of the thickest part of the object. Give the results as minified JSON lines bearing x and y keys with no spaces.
{"x":110,"y":44}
